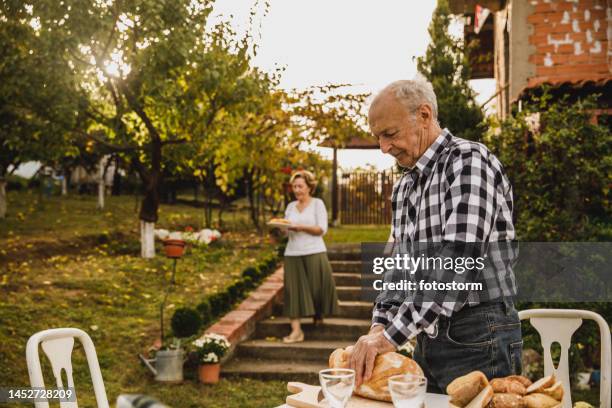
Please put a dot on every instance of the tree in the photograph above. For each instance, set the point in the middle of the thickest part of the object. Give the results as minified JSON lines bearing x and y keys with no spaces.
{"x":134,"y":61}
{"x":36,"y":111}
{"x":446,"y":66}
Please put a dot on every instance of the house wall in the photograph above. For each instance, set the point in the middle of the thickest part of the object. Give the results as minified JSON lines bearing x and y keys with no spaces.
{"x":570,"y":41}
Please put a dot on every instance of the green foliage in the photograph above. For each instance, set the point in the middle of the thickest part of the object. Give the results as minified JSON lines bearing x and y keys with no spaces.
{"x":214,"y":306}
{"x":37,"y":110}
{"x":205,"y":311}
{"x":560,"y":172}
{"x":559,"y":163}
{"x":219,"y":303}
{"x":446,"y":66}
{"x":235,"y":291}
{"x":186,"y":322}
{"x":252,"y":273}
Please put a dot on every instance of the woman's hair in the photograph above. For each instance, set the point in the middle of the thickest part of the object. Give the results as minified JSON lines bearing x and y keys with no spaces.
{"x":308,"y":177}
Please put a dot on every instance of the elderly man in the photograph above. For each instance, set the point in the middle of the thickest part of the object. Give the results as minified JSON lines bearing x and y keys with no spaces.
{"x":452,"y":191}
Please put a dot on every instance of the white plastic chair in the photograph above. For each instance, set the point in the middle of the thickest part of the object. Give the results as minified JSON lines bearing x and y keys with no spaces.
{"x":558,"y":325}
{"x":57,"y":345}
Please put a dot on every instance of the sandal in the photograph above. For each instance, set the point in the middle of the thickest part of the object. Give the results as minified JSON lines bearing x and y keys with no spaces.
{"x":294,"y":339}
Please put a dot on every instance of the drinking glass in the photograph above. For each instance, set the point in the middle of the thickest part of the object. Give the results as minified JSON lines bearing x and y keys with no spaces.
{"x":337,"y":385}
{"x":408,"y":390}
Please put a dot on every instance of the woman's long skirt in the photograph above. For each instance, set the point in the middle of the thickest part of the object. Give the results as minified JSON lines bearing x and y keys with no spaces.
{"x":309,"y":286}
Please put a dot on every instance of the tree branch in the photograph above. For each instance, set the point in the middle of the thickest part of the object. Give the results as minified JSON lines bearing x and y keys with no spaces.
{"x":174,"y":141}
{"x":111,"y":146}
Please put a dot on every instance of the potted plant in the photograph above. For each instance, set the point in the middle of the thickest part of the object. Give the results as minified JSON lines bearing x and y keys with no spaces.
{"x":174,"y":248}
{"x":210,"y":348}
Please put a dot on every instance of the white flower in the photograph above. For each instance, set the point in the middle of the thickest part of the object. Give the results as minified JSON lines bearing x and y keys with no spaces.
{"x":175,"y":235}
{"x":205,"y":236}
{"x":210,"y":358}
{"x":161,"y":234}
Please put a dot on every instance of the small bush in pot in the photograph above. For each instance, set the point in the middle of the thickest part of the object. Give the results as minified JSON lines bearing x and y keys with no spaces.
{"x":186,"y":322}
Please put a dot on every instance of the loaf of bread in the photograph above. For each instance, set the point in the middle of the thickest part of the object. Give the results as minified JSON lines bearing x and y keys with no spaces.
{"x":385,"y":366}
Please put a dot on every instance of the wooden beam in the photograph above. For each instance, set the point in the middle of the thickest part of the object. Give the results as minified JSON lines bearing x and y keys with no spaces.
{"x":468,"y":6}
{"x":335,"y":189}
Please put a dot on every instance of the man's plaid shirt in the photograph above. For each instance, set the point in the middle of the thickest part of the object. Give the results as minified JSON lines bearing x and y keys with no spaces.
{"x":456,"y":193}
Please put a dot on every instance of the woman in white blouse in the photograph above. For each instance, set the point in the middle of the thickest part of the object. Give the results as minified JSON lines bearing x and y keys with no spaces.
{"x":309,"y":285}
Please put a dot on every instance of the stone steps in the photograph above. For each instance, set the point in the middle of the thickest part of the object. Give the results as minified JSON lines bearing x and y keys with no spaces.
{"x":344,"y":252}
{"x":355,"y":309}
{"x":265,"y":357}
{"x":352,"y":309}
{"x":303,"y":370}
{"x":347,"y":279}
{"x":309,"y":350}
{"x":334,"y":328}
{"x":346,"y":266}
{"x":348,"y":293}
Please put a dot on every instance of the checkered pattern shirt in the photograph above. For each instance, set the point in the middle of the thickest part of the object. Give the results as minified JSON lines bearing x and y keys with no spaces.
{"x":457,"y":193}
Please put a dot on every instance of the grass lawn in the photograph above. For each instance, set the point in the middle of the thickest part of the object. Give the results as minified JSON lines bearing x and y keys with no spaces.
{"x":65,"y":264}
{"x":357,"y":233}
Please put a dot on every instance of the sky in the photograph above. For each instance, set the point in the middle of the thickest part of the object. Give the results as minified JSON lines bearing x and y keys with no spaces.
{"x":368,"y":43}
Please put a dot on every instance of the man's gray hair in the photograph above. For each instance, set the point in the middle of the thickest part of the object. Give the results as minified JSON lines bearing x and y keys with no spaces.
{"x":414,"y":93}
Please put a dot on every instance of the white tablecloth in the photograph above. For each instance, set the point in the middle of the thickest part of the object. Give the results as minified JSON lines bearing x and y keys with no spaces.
{"x":431,"y":401}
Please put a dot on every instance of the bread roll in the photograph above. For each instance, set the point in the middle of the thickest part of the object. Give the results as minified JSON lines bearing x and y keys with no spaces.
{"x":385,"y":366}
{"x":462,"y":390}
{"x":520,"y":378}
{"x":542,"y":383}
{"x":482,"y":399}
{"x":537,"y":400}
{"x":505,"y":400}
{"x":509,"y":386}
{"x":556,"y":391}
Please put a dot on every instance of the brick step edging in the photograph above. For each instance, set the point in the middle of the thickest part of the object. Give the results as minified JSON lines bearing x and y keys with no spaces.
{"x":239,"y":324}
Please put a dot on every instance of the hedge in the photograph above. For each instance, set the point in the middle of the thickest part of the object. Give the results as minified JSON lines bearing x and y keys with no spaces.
{"x":212,"y":307}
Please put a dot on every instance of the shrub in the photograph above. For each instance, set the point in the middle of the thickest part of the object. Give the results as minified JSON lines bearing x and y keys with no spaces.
{"x":205,"y":311}
{"x":252,"y":272}
{"x":186,"y":322}
{"x":559,"y":166}
{"x":559,"y":170}
{"x":234,"y":291}
{"x":219,"y":303}
{"x":248,"y":283}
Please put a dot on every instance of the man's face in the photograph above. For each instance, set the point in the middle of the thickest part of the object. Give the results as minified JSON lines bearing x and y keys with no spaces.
{"x":396,"y":129}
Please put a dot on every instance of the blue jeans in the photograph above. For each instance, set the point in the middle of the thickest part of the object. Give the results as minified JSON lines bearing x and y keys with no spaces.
{"x":486,"y":337}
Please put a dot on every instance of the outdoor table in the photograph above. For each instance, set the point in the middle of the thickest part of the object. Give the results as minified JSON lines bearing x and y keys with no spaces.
{"x":311,"y":391}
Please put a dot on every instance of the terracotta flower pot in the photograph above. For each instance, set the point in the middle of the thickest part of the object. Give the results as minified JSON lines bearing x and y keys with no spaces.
{"x":174,"y":248}
{"x":209,"y":373}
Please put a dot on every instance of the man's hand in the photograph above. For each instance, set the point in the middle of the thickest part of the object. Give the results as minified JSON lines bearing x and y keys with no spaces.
{"x":364,"y":354}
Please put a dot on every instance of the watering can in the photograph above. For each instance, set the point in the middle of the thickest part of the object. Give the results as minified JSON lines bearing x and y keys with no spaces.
{"x":167,"y":366}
